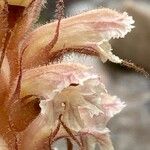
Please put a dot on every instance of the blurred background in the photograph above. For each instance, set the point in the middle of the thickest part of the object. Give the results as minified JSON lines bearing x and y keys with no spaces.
{"x":131,"y":128}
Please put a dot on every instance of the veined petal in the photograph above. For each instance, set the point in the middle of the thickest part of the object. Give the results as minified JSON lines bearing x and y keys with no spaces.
{"x":108,"y":107}
{"x":48,"y":82}
{"x":44,"y":83}
{"x":72,"y":92}
{"x":84,"y":33}
{"x":53,"y":78}
{"x":111,"y":105}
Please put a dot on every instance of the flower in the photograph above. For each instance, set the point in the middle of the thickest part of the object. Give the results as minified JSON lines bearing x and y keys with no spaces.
{"x":101,"y":27}
{"x":71,"y":92}
{"x":40,"y":99}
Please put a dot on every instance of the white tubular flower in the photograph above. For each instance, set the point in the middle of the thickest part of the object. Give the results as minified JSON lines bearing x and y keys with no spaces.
{"x":72,"y":93}
{"x":97,"y":27}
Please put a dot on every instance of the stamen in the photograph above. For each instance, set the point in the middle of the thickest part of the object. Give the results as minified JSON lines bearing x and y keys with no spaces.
{"x":53,"y":134}
{"x":136,"y":68}
{"x":69,"y":132}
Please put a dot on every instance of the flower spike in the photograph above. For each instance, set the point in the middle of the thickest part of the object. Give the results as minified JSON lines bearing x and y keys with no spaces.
{"x":41,"y":101}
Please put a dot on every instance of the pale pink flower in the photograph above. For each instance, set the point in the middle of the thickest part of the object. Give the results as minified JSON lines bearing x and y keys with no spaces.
{"x":41,"y":101}
{"x":87,"y":33}
{"x":70,"y":93}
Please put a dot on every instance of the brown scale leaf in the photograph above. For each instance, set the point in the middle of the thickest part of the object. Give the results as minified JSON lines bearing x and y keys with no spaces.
{"x":15,"y":102}
{"x":23,"y":24}
{"x":19,"y":32}
{"x":23,"y":115}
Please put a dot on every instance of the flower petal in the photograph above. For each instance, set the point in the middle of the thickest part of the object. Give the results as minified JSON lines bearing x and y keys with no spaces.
{"x":70,"y":91}
{"x":111,"y":105}
{"x":48,"y":81}
{"x":84,"y":33}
